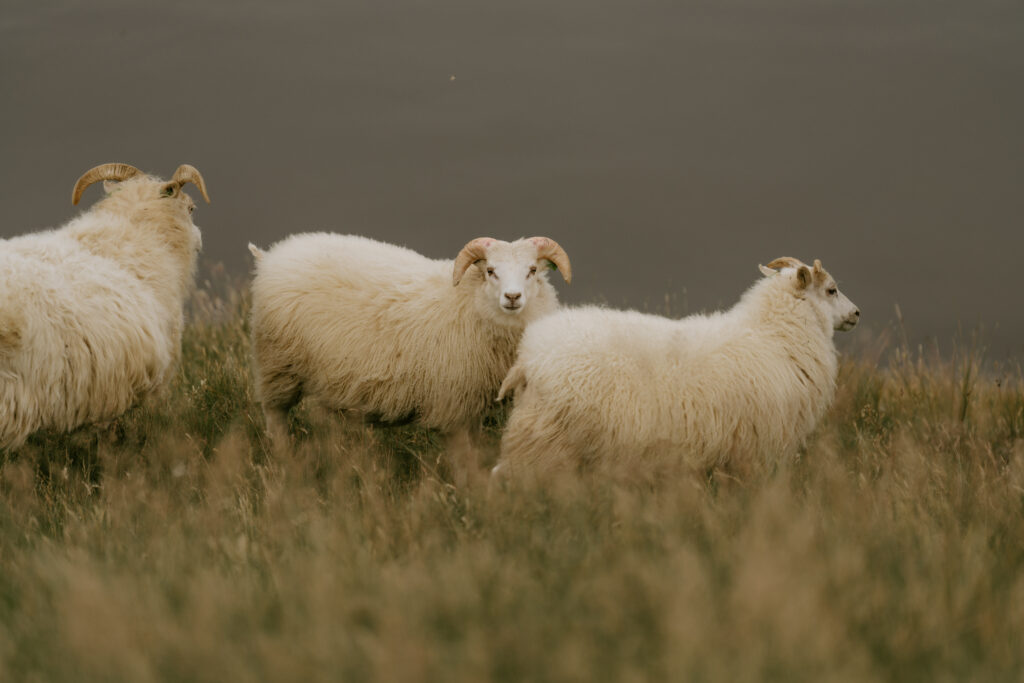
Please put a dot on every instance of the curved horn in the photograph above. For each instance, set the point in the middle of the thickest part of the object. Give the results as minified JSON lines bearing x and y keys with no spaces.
{"x":785,"y":262}
{"x":548,"y":249}
{"x":475,"y":250}
{"x":187,"y":173}
{"x":102,"y":172}
{"x":818,"y":272}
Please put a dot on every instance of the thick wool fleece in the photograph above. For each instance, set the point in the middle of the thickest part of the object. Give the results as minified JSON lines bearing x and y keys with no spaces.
{"x":91,"y":314}
{"x":380,"y":330}
{"x":615,"y":388}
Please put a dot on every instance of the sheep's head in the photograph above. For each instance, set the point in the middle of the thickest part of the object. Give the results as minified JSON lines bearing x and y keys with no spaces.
{"x":814,"y":284}
{"x":512,"y":273}
{"x":128,"y":186}
{"x":111,"y":173}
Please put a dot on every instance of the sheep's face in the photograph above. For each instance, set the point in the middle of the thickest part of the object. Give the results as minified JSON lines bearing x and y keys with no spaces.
{"x":818,"y":287}
{"x":841,"y":311}
{"x":512,"y":274}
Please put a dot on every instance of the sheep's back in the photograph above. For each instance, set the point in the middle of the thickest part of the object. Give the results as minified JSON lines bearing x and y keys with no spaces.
{"x":623,"y":383}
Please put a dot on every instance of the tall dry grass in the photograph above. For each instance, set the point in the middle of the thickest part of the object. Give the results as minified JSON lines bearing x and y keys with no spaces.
{"x":172,"y":546}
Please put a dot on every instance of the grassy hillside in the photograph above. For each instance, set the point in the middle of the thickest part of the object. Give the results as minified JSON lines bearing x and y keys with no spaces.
{"x":172,"y":546}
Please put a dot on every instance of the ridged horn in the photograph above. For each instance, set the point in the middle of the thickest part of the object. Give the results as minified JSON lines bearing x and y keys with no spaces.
{"x":187,"y":173}
{"x":475,"y":250}
{"x":102,"y":172}
{"x":549,"y":249}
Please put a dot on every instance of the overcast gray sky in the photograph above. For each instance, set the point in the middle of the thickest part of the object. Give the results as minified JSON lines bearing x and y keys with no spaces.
{"x":668,"y":146}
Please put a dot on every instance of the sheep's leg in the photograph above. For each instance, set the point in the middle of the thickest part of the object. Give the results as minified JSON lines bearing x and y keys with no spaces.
{"x":277,"y":425}
{"x":279,"y":394}
{"x":462,"y":447}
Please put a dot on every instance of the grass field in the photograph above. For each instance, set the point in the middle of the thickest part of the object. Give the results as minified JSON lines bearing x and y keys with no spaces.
{"x":173,"y":546}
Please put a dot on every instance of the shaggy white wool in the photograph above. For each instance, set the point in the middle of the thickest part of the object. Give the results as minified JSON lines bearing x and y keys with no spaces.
{"x":91,"y":314}
{"x":598,"y":386}
{"x":380,"y":330}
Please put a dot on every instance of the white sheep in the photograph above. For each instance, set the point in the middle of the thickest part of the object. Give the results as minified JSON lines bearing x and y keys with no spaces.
{"x":91,"y":313}
{"x":605,"y":388}
{"x":380,"y":331}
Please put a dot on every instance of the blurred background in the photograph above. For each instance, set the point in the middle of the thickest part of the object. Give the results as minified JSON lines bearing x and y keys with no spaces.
{"x":670,"y":147}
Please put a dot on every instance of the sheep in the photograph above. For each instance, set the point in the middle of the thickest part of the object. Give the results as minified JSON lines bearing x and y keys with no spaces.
{"x":379,"y":331}
{"x":91,"y":313}
{"x":605,"y":390}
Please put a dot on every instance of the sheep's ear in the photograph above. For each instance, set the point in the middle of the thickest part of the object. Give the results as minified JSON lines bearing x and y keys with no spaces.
{"x":765,"y":270}
{"x":257,"y":253}
{"x":110,"y":185}
{"x":803,"y":277}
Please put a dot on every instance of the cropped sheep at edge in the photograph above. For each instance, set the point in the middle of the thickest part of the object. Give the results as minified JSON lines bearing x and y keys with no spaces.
{"x":91,"y":313}
{"x":382,"y":331}
{"x":618,"y":389}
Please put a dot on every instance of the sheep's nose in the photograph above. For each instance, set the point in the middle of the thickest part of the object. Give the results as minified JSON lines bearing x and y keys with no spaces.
{"x":513,"y":296}
{"x":856,"y":313}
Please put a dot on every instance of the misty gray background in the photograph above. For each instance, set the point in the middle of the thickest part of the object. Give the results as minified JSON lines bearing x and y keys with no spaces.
{"x":668,"y":146}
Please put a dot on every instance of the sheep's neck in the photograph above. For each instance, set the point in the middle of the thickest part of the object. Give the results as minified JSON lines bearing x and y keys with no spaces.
{"x":149,"y":245}
{"x":784,"y":314}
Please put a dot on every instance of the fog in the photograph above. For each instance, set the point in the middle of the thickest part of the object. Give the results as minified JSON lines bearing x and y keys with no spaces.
{"x":670,"y":147}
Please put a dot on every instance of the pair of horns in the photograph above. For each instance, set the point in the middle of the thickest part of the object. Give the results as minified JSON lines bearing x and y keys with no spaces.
{"x":785,"y":262}
{"x":789,"y":262}
{"x":186,"y":173}
{"x":476,"y":250}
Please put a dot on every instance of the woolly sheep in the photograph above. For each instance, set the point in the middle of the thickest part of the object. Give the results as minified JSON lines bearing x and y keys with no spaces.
{"x":380,"y":331}
{"x":91,"y":313}
{"x":614,"y":389}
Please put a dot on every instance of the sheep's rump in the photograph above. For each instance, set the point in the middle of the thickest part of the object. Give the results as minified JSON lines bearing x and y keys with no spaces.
{"x":80,"y":340}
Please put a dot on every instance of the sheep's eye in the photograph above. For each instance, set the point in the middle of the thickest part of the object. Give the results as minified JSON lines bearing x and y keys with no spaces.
{"x":490,"y":271}
{"x":191,"y":208}
{"x":832,"y":291}
{"x":533,"y":270}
